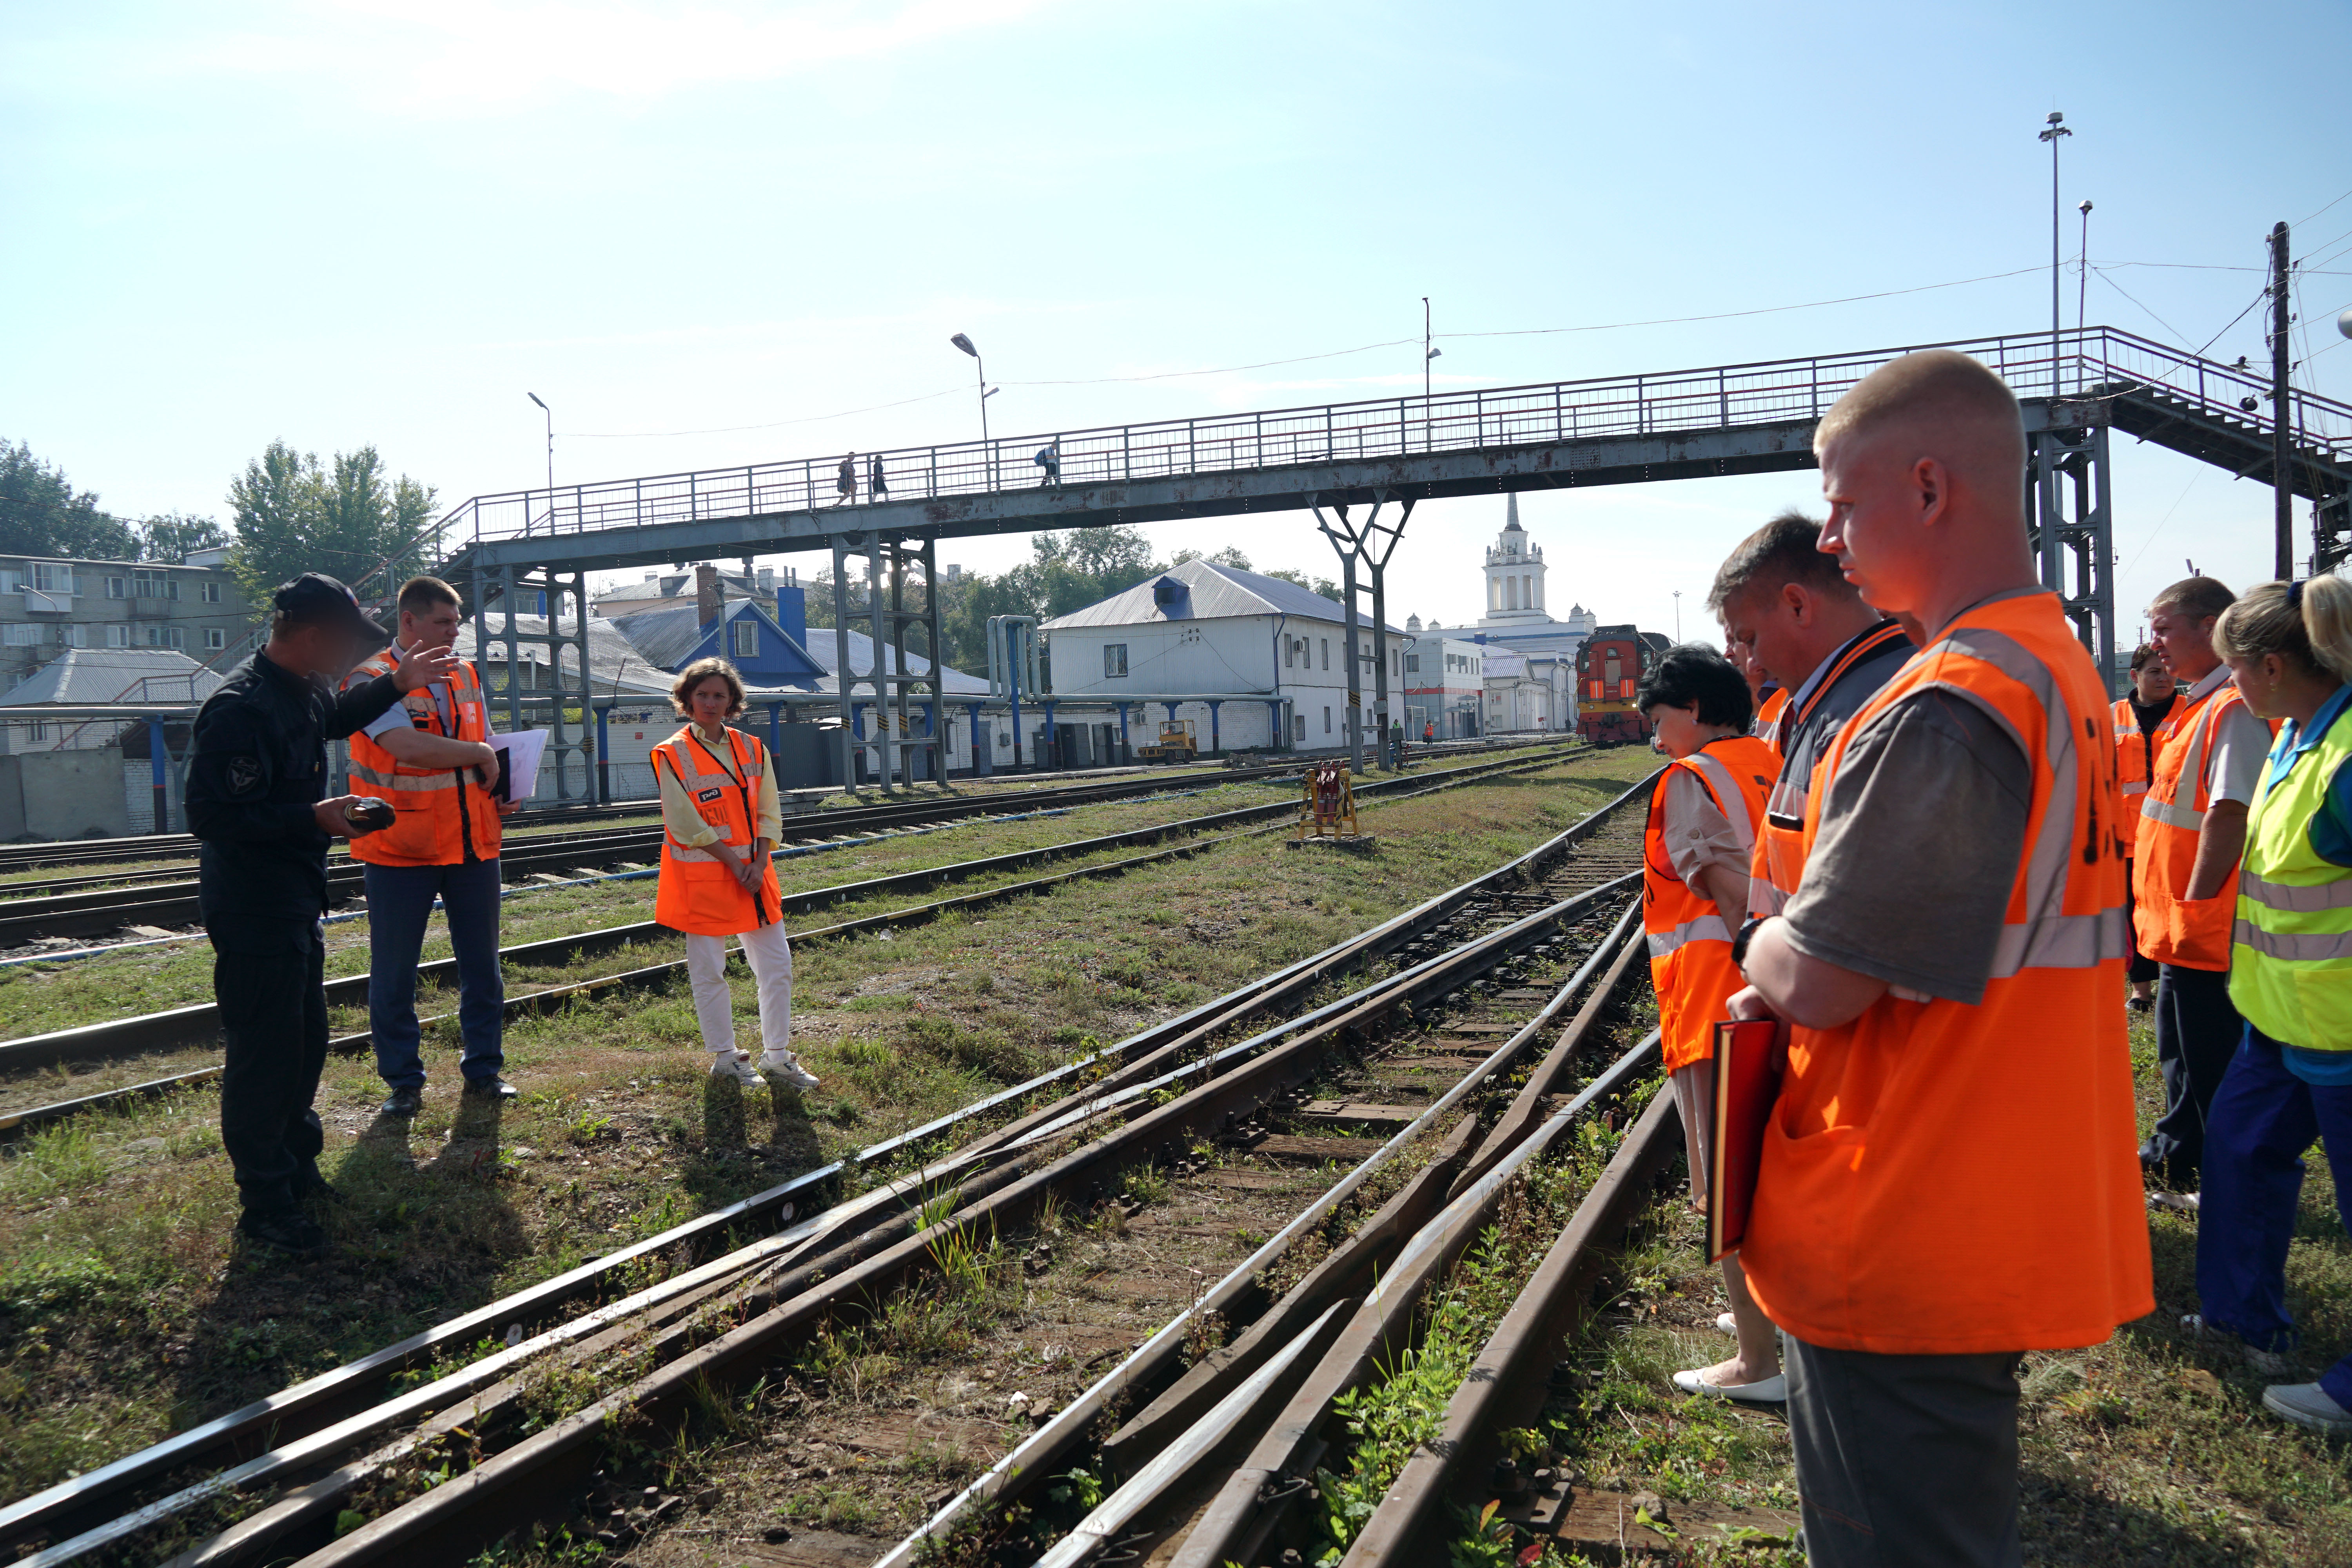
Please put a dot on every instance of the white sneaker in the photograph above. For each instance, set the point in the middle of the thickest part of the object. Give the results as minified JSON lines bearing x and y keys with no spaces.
{"x":1772,"y":1390}
{"x":787,"y":1067}
{"x":2270,"y":1364}
{"x":2307,"y":1405}
{"x":1727,"y":1323}
{"x":736,"y":1065}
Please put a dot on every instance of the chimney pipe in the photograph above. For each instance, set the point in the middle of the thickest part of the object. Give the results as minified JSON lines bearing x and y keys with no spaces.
{"x":706,"y":602}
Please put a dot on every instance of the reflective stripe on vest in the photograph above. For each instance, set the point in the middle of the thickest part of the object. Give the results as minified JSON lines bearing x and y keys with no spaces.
{"x":1897,"y":1134}
{"x":1779,"y":859}
{"x":698,"y":893}
{"x":2291,"y":942}
{"x":1707,"y":928}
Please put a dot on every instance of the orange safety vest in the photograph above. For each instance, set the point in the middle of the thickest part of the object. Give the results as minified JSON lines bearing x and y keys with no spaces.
{"x":1690,"y":947}
{"x":1942,"y":1179}
{"x":697,"y":892}
{"x":446,"y":817}
{"x":2171,"y":927}
{"x":2131,"y":751}
{"x":1780,"y":837}
{"x":1768,"y":711}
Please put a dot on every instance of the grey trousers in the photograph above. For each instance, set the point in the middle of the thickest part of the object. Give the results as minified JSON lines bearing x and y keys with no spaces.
{"x":1904,"y":1461}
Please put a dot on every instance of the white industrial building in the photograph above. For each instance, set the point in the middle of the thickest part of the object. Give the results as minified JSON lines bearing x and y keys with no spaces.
{"x":1234,"y":651}
{"x":1444,"y":684}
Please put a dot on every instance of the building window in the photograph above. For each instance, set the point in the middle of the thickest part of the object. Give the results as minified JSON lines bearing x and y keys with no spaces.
{"x":12,"y":580}
{"x":746,"y":638}
{"x":21,"y":634}
{"x":1326,"y":660}
{"x":1290,"y":654}
{"x":117,"y":636}
{"x":1299,"y":726}
{"x":37,"y":731}
{"x":210,"y":593}
{"x":214,"y":638}
{"x":52,"y":577}
{"x":1327,"y":720}
{"x":154,"y":586}
{"x":73,"y":633}
{"x":1114,"y":660}
{"x":1412,"y":664}
{"x":118,"y":587}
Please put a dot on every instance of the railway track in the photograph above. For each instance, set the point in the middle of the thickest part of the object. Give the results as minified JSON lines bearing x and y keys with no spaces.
{"x":1220,"y":1072}
{"x":98,"y":903}
{"x":180,"y":1027}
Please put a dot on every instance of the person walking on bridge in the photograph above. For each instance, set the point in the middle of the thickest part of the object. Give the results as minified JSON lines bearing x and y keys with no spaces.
{"x":844,"y":480}
{"x":1786,"y":606}
{"x":1948,"y":1177}
{"x":877,"y":488}
{"x":1049,"y":458}
{"x":2206,"y":762}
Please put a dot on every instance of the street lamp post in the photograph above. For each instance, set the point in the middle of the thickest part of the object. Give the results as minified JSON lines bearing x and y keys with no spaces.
{"x":986,"y":392}
{"x":544,"y":408}
{"x":2082,"y":290}
{"x":1429,"y":350}
{"x":2055,"y":129}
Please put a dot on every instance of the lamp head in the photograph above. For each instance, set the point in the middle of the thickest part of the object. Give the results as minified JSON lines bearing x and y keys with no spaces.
{"x":2084,"y":206}
{"x":534,"y":397}
{"x":964,"y":343}
{"x":1434,"y":352}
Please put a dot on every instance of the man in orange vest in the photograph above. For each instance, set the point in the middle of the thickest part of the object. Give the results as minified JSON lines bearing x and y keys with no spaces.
{"x":430,"y":757}
{"x":1786,"y":606}
{"x":2139,"y":713}
{"x":2205,"y":765}
{"x":1946,"y":1179}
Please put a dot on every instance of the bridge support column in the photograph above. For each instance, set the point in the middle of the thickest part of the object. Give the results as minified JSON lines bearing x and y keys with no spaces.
{"x":1214,"y":747}
{"x":1371,"y":545}
{"x":2070,"y":514}
{"x":982,"y":765}
{"x":1126,"y":755}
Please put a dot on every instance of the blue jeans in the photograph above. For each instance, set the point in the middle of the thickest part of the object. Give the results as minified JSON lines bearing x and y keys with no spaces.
{"x":399,"y":898}
{"x":2262,"y":1119}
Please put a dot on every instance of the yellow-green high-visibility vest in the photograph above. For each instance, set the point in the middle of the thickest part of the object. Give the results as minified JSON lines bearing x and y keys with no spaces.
{"x":2291,"y":950}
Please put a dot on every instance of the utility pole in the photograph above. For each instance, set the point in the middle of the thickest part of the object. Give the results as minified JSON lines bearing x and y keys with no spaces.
{"x":2052,"y":132}
{"x":1429,"y":350}
{"x":2283,"y":515}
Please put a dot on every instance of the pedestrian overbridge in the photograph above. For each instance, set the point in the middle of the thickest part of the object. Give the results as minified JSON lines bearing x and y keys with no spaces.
{"x":1705,"y":422}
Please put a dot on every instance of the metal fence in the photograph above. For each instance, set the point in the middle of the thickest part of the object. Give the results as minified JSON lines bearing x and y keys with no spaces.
{"x":2079,"y":364}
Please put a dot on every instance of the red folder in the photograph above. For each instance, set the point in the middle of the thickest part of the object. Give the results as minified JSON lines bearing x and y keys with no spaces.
{"x":1748,"y":1065}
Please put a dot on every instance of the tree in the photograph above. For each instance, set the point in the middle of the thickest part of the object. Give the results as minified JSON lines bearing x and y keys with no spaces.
{"x":1322,"y":587}
{"x":1231,"y":555}
{"x":41,"y":514}
{"x":174,"y":536}
{"x":295,"y":515}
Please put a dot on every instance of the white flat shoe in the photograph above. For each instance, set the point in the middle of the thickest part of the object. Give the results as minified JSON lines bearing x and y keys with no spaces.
{"x":787,"y":1067}
{"x":1772,"y":1390}
{"x":2307,"y":1405}
{"x":735,"y":1065}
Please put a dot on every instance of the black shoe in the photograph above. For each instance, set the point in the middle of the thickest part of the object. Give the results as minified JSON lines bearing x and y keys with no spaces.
{"x":2141,"y":1005}
{"x":491,"y":1089}
{"x":284,"y":1232}
{"x":404,"y":1103}
{"x":317,"y":1189}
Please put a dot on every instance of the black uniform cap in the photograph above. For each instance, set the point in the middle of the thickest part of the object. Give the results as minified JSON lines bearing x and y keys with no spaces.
{"x":314,"y":598}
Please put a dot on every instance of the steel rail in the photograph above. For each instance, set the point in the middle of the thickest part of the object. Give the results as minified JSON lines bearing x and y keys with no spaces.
{"x":178,"y":1027}
{"x":1506,"y":1382}
{"x":96,"y":910}
{"x":303,"y":1406}
{"x":518,"y":1484}
{"x":1349,"y":1267}
{"x":1255,"y":1502}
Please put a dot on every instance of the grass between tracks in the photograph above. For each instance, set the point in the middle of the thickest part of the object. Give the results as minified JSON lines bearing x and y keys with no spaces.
{"x":128,"y":1311}
{"x":2147,"y":1449}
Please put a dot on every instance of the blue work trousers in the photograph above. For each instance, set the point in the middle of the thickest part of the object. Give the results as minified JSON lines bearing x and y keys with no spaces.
{"x":2262,"y":1121}
{"x":400,"y":898}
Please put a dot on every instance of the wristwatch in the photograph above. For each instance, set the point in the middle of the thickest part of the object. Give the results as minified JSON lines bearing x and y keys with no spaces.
{"x":1740,"y":942}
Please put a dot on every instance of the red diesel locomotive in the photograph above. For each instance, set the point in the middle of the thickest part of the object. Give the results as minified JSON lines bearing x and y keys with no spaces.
{"x":1609,"y":669}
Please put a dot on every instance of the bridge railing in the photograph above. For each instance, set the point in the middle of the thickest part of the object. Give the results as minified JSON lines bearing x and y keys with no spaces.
{"x":1776,"y":391}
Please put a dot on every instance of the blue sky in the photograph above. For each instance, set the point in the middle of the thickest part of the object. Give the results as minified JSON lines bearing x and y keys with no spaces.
{"x":385,"y":220}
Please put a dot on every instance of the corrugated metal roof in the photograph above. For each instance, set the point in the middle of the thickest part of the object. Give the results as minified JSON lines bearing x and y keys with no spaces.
{"x":87,"y":675}
{"x":666,"y":637}
{"x":1202,"y":590}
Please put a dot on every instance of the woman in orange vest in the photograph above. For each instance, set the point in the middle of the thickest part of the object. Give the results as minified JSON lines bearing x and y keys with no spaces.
{"x":720,"y":818}
{"x":1694,"y":861}
{"x":2139,"y":717}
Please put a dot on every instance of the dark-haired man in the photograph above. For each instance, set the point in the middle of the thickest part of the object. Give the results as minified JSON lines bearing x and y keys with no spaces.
{"x":257,"y":800}
{"x":430,"y":757}
{"x":1786,"y":606}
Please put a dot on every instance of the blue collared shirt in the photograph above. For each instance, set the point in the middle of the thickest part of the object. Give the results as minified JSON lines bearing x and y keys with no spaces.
{"x":2331,"y":840}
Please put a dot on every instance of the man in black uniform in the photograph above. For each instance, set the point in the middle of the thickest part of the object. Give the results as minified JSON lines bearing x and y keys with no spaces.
{"x":255,"y":793}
